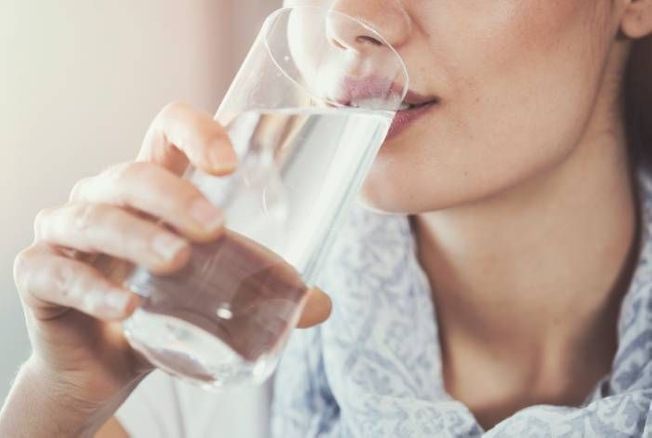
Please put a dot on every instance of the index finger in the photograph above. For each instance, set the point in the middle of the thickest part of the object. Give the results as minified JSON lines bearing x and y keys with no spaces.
{"x":180,"y":135}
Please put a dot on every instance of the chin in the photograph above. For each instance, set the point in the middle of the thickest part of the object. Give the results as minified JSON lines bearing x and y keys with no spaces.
{"x":395,"y":184}
{"x":384,"y":201}
{"x":372,"y":205}
{"x":405,"y":188}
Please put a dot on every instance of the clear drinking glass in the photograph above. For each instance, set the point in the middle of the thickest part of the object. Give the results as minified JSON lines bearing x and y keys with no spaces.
{"x":307,"y":113}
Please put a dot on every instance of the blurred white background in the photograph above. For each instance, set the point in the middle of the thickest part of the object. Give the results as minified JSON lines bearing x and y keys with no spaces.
{"x":79,"y":83}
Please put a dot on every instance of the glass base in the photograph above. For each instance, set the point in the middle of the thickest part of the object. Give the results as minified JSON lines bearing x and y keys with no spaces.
{"x":192,"y":354}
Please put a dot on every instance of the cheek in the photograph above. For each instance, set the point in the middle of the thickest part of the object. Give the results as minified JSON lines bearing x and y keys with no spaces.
{"x":519,"y":78}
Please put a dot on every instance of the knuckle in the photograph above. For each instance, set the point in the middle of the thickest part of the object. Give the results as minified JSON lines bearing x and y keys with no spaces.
{"x":30,"y":271}
{"x":125,"y":172}
{"x":86,"y":217}
{"x":38,"y":276}
{"x":126,"y":181}
{"x":133,"y":182}
{"x":22,"y":265}
{"x":171,"y":110}
{"x":41,"y":220}
{"x":78,"y":188}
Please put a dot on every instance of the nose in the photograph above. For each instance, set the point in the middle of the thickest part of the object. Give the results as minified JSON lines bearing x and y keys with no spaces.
{"x":387,"y":17}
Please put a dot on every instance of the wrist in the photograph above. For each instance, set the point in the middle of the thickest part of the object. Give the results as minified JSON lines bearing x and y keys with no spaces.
{"x":41,"y":405}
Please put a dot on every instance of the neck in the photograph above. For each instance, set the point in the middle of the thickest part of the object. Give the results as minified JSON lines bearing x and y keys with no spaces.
{"x":559,"y":241}
{"x":537,"y":272}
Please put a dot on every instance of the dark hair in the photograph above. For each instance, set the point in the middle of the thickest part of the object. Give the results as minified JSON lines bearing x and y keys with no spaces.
{"x":638,"y":102}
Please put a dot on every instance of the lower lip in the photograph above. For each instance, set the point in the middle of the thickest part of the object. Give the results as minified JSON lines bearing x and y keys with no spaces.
{"x":404,"y":118}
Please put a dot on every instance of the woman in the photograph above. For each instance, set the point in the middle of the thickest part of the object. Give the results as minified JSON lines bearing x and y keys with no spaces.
{"x":523,"y":212}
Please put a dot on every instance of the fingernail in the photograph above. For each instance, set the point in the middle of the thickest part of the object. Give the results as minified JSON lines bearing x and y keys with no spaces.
{"x":108,"y":303}
{"x":168,"y":246}
{"x":116,"y":301}
{"x":209,"y":216}
{"x":222,"y":159}
{"x":93,"y":300}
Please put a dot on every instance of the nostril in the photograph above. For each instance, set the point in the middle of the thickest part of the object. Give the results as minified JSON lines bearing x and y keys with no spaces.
{"x":361,"y":39}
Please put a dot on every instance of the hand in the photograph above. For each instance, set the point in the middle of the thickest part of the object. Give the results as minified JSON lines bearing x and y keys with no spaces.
{"x":141,"y":213}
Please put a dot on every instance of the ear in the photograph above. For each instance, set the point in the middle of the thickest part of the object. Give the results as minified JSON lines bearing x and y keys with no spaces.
{"x":637,"y":18}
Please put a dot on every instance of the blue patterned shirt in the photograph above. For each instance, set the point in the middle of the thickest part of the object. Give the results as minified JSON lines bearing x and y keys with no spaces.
{"x":374,"y":369}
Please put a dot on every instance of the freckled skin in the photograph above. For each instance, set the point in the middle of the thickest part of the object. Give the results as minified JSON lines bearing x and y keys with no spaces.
{"x":505,"y":71}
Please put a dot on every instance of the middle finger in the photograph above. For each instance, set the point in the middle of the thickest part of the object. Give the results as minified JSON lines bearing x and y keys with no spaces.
{"x":106,"y":229}
{"x":156,"y":191}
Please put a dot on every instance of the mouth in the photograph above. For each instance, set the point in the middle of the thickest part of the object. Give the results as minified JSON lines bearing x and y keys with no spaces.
{"x":377,"y":93}
{"x":371,"y":92}
{"x":413,"y":107}
{"x":414,"y":100}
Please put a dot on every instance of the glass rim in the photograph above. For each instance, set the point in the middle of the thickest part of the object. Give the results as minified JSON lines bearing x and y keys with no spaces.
{"x":274,"y":15}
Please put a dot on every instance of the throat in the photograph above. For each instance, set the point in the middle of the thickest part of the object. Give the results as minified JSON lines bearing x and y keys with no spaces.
{"x":506,"y":349}
{"x":496,"y":378}
{"x":527,"y":316}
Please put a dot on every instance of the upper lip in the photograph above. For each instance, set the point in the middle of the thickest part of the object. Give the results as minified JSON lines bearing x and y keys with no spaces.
{"x":358,"y":89}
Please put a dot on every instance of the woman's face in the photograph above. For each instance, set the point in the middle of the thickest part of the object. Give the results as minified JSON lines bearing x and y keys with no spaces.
{"x":515,"y":81}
